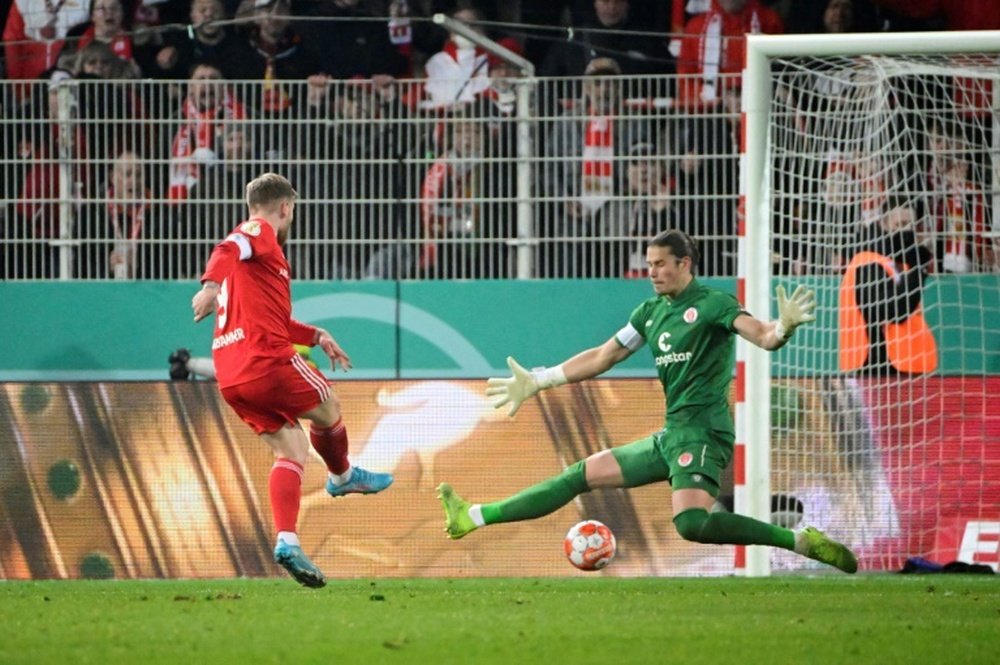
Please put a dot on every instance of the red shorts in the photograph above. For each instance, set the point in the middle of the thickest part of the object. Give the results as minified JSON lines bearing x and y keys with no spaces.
{"x":278,"y":398}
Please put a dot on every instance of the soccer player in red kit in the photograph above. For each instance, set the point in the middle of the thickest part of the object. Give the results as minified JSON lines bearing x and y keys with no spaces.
{"x":270,"y":386}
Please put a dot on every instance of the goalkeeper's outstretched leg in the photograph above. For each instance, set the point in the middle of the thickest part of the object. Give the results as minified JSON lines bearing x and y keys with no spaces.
{"x":601,"y":469}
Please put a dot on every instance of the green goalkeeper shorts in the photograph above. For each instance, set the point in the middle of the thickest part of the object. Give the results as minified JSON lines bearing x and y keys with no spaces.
{"x":689,"y":457}
{"x":641,"y":463}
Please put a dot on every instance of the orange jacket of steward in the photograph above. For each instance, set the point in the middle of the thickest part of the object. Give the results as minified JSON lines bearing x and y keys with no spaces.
{"x":910,"y":346}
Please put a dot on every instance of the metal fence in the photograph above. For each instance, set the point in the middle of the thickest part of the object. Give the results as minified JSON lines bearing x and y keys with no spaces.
{"x":545,"y":178}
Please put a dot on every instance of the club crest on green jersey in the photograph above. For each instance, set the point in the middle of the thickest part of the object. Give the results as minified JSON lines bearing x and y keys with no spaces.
{"x":690,"y":315}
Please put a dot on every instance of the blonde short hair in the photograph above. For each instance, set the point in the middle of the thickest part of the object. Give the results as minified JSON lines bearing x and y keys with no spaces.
{"x":269,"y":188}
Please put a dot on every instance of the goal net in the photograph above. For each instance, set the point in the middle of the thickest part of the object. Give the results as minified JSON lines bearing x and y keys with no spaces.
{"x":879,"y":189}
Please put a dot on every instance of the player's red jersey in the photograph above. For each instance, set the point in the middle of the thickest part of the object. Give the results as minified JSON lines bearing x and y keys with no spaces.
{"x":254,"y":329}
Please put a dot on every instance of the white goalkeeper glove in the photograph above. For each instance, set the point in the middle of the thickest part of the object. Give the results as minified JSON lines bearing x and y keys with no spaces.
{"x":522,"y":384}
{"x":794,"y":311}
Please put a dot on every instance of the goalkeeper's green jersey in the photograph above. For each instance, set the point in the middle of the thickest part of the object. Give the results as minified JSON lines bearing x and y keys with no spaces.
{"x":691,"y":338}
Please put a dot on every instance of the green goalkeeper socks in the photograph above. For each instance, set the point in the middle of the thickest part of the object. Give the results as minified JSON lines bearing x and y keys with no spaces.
{"x":700,"y":526}
{"x":538,"y":500}
{"x":695,"y":524}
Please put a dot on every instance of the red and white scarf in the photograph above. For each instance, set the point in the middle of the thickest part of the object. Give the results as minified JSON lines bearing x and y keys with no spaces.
{"x":597,"y":171}
{"x":199,"y":132}
{"x":447,"y":198}
{"x":721,"y":46}
{"x":963,"y":227}
{"x":121,"y":214}
{"x":127,"y":221}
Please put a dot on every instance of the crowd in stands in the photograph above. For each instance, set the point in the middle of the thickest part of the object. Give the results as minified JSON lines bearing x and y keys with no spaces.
{"x":338,"y":85}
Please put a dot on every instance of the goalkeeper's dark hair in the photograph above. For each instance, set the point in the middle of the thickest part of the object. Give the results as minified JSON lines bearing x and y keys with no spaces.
{"x":681,"y":245}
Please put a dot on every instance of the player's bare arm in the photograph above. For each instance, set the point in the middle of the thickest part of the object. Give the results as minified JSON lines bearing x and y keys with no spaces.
{"x":203,"y":302}
{"x":325,"y":341}
{"x":793,"y":311}
{"x":759,"y":333}
{"x":595,"y":361}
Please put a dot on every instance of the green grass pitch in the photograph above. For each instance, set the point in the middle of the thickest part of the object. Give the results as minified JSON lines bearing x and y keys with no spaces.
{"x":939,"y":619}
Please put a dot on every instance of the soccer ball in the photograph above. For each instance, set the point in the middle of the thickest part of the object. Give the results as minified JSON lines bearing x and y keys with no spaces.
{"x":590,"y":545}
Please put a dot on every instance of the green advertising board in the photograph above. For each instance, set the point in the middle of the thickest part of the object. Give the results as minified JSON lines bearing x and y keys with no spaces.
{"x":108,"y":330}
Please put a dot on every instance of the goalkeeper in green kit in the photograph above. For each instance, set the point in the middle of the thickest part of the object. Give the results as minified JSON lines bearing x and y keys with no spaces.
{"x":689,"y":329}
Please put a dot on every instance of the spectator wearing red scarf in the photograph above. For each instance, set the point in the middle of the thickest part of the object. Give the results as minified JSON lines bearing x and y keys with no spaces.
{"x":464,"y":202}
{"x":713,"y":44}
{"x":207,"y":111}
{"x":585,"y":171}
{"x":114,"y":230}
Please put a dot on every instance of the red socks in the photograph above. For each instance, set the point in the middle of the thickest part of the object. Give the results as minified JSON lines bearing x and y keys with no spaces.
{"x":285,"y":482}
{"x":285,"y":488}
{"x":331,"y":444}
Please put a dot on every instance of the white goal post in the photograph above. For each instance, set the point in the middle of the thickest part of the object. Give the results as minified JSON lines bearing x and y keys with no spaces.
{"x":910,"y":56}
